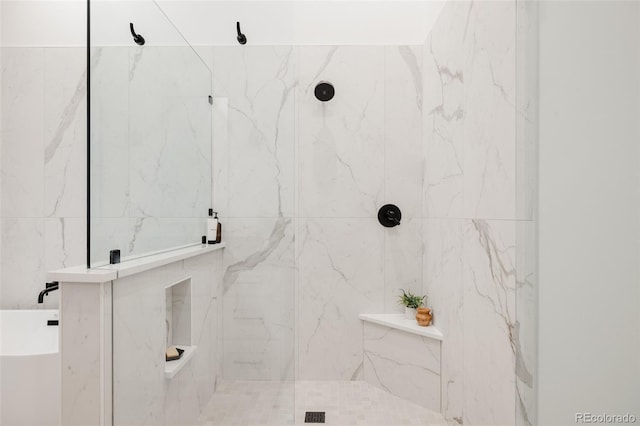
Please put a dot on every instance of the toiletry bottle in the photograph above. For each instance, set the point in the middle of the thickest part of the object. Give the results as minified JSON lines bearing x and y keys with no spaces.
{"x":218,"y":229}
{"x":212,"y":227}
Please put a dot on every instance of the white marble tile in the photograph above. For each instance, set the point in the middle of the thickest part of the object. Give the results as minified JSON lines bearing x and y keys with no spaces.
{"x":65,"y":246}
{"x":23,"y":263}
{"x":65,"y":242}
{"x":490,"y":330}
{"x":402,"y":262}
{"x":106,"y":235}
{"x":147,"y":234}
{"x":179,"y":312}
{"x":444,"y":113}
{"x":403,"y":128}
{"x":172,"y":393}
{"x":190,"y":405}
{"x":170,"y":173}
{"x":259,"y":83}
{"x":250,"y":402}
{"x":84,"y":314}
{"x":341,"y":275}
{"x":341,"y":142}
{"x":206,"y":273}
{"x":403,"y":364}
{"x":163,"y":66}
{"x":138,"y":348}
{"x":164,"y":182}
{"x":165,"y":168}
{"x":23,"y":132}
{"x":527,"y":90}
{"x":258,"y":301}
{"x":489,"y":125}
{"x":345,"y":403}
{"x":258,"y":359}
{"x":65,"y":119}
{"x":110,"y":157}
{"x":443,"y":284}
{"x":526,"y":325}
{"x":142,"y":395}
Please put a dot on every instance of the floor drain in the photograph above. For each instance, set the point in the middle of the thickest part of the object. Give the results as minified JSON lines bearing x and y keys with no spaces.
{"x":314,"y":417}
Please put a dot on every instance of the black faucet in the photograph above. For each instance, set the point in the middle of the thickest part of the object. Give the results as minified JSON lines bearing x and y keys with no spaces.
{"x":52,"y":286}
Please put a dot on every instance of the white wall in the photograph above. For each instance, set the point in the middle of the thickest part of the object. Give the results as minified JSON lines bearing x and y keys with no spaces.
{"x":589,"y":210}
{"x":305,"y":22}
{"x":43,"y":23}
{"x":212,"y":23}
{"x":1,"y":7}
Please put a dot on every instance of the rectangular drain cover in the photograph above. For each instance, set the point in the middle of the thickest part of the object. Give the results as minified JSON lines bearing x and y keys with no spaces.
{"x":314,"y":417}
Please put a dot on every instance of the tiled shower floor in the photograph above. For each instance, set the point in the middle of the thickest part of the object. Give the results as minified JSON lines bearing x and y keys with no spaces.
{"x":252,"y":403}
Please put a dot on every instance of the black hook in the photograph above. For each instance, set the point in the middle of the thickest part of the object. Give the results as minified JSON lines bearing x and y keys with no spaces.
{"x":242,"y":39}
{"x":136,"y":37}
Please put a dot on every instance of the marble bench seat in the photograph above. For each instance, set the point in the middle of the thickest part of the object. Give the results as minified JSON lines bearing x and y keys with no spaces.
{"x":403,"y":358}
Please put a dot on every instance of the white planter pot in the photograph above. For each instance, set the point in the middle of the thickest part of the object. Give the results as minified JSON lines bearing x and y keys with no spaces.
{"x":410,"y":313}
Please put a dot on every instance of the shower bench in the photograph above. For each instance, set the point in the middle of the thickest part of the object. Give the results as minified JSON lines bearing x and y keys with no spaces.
{"x":403,"y":358}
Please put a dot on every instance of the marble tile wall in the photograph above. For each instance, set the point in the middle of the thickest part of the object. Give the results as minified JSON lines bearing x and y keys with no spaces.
{"x":43,"y":146}
{"x":254,"y":167}
{"x":357,"y":152}
{"x":151,"y":133}
{"x":475,"y":210}
{"x":527,"y":211}
{"x":298,"y":184}
{"x":43,"y":222}
{"x":403,"y":364}
{"x":140,"y":341}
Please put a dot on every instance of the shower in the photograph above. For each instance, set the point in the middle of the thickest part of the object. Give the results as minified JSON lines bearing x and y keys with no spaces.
{"x":416,"y":148}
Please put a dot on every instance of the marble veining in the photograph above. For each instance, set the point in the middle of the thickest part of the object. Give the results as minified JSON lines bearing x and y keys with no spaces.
{"x":489,"y":361}
{"x":470,"y":212}
{"x":411,"y":60}
{"x":403,"y":364}
{"x":68,"y":115}
{"x":341,"y":142}
{"x":323,"y":66}
{"x":260,"y":85}
{"x":249,"y":263}
{"x":444,"y":113}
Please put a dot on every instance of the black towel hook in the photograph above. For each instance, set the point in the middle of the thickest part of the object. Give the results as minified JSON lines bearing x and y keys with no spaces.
{"x":242,"y":39}
{"x":136,"y":37}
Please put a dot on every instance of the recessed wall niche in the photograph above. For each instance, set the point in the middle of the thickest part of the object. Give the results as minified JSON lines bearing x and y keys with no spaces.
{"x":178,"y":323}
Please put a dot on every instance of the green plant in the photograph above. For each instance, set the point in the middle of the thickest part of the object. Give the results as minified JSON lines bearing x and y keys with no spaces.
{"x":410,"y":300}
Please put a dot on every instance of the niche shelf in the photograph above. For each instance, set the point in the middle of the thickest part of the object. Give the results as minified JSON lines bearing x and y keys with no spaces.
{"x":171,"y":368}
{"x":178,"y":325}
{"x":399,"y":322}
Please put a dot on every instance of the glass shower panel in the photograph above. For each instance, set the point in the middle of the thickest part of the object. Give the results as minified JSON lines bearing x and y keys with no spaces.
{"x":150,"y":134}
{"x":254,"y":143}
{"x":525,"y":332}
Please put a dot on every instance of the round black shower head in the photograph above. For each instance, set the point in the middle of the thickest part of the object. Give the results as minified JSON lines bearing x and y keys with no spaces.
{"x":324,"y":91}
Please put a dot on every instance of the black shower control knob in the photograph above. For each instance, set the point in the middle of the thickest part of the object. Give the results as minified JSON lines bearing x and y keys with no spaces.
{"x":389,"y":215}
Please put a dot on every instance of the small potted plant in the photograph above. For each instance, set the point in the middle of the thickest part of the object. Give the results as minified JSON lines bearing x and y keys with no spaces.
{"x":411,"y":303}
